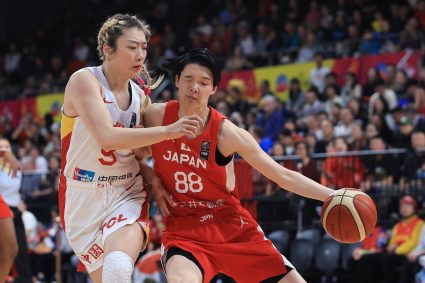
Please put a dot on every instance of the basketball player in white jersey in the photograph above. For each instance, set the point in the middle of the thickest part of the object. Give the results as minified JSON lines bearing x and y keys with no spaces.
{"x":103,"y":204}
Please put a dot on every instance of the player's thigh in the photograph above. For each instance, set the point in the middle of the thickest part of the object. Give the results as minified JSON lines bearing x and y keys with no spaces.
{"x":180,"y":269}
{"x":96,"y":276}
{"x":128,"y":239}
{"x":8,"y":244}
{"x":292,"y":277}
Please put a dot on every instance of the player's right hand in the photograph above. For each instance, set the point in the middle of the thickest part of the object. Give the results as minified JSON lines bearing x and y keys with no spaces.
{"x":188,"y":126}
{"x":162,"y":197}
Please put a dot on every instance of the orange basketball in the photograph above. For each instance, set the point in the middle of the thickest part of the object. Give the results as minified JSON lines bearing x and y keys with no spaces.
{"x":349,"y":215}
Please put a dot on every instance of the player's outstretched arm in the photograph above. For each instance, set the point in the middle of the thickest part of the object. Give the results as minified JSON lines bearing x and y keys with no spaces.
{"x":83,"y":97}
{"x":234,"y":139}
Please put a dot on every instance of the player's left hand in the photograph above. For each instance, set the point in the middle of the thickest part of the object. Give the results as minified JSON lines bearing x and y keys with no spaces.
{"x":162,"y":197}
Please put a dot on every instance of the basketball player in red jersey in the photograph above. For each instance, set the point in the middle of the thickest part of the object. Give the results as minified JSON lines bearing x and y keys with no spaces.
{"x":207,"y":230}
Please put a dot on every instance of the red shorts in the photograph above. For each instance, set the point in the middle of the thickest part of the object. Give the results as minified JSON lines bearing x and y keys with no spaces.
{"x":5,"y":211}
{"x":229,"y":242}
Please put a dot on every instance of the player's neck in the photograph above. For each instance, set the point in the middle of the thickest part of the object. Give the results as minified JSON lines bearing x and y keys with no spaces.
{"x":117,"y":82}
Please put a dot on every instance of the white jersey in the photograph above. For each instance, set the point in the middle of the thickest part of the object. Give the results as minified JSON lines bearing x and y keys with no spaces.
{"x":85,"y":160}
{"x":9,"y":186}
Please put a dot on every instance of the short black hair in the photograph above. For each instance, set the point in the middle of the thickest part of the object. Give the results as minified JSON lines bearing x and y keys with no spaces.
{"x":200,"y":56}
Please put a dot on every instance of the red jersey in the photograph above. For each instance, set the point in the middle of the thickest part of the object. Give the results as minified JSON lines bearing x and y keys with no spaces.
{"x":208,"y":221}
{"x":189,"y":171}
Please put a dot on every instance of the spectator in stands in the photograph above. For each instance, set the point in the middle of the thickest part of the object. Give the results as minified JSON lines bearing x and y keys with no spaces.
{"x":312,"y":104}
{"x":286,"y":139}
{"x":381,"y":169}
{"x":327,"y":129}
{"x":364,"y":256}
{"x":412,"y":266}
{"x":341,"y":171}
{"x":318,"y":73}
{"x":271,"y":117}
{"x":351,"y":88}
{"x":238,"y":61}
{"x":343,"y":128}
{"x":372,"y":79}
{"x":296,"y":97}
{"x":9,"y":190}
{"x":385,"y":93}
{"x":402,"y":137}
{"x":404,"y":238}
{"x":357,"y":139}
{"x":413,"y":168}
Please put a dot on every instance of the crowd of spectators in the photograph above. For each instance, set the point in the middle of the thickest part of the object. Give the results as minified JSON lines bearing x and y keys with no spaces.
{"x":328,"y":117}
{"x":245,"y":34}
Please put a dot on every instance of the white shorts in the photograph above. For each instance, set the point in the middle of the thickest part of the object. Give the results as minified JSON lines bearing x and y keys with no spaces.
{"x":94,"y":210}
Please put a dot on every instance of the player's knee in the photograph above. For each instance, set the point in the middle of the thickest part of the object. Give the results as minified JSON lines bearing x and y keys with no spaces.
{"x":117,"y":267}
{"x":183,"y":277}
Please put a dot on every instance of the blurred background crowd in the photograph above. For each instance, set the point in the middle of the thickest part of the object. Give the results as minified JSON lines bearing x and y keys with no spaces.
{"x":340,"y":130}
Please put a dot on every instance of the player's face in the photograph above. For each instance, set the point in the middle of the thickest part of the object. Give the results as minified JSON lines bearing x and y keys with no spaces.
{"x":195,"y":85}
{"x":130,"y":53}
{"x":406,"y":210}
{"x":4,"y":145}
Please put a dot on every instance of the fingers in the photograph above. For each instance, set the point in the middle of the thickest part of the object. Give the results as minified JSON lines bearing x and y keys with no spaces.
{"x":169,"y":199}
{"x":195,"y":118}
{"x":164,"y":208}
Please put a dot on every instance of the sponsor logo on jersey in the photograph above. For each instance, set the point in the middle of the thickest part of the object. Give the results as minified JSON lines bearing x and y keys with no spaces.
{"x":184,"y":159}
{"x":205,"y":150}
{"x":184,"y":147}
{"x":94,"y":252}
{"x":115,"y":178}
{"x":114,"y":220}
{"x":118,"y":125}
{"x":83,"y":175}
{"x":206,"y":217}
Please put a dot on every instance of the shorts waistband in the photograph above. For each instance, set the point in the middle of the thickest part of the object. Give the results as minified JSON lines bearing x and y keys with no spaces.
{"x":71,"y":183}
{"x":174,"y":223}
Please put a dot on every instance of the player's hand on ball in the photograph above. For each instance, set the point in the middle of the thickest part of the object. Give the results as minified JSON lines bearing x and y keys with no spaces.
{"x":162,"y":197}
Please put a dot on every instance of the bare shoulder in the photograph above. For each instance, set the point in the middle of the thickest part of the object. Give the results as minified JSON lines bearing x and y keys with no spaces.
{"x":81,"y":87}
{"x":154,"y":114}
{"x":81,"y":80}
{"x":230,"y":137}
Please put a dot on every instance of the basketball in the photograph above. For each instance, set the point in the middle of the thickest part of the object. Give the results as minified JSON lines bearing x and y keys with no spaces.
{"x":349,"y":215}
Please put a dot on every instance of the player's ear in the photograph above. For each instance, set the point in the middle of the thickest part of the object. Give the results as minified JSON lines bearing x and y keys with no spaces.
{"x":214,"y":90}
{"x":107,"y":50}
{"x":176,"y":81}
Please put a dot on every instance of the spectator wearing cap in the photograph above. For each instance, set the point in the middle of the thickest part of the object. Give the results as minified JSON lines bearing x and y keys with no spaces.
{"x":404,"y":239}
{"x":402,"y":137}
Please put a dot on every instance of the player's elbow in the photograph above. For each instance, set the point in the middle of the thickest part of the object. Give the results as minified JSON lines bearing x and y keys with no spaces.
{"x":106,"y":142}
{"x":287,"y":176}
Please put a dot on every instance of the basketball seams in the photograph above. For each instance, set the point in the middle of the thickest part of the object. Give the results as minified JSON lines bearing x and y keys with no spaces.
{"x":348,"y":203}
